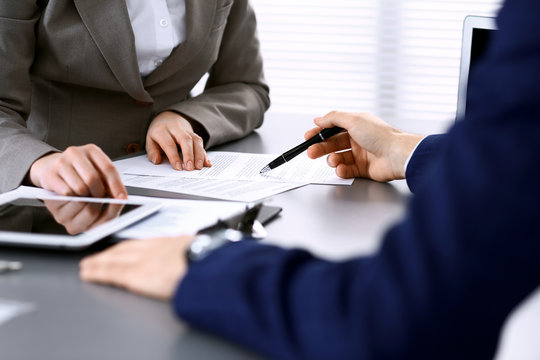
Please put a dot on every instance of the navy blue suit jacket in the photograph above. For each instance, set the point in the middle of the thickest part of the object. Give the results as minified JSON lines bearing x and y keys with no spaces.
{"x":446,"y":277}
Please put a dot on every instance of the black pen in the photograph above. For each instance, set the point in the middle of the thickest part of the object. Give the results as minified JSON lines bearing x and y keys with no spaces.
{"x":287,"y":156}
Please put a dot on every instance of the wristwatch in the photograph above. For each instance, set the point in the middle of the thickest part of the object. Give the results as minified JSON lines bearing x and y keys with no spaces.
{"x":204,"y":244}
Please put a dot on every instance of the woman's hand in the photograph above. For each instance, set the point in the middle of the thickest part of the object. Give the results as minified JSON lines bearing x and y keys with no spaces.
{"x":370,"y":148}
{"x":80,"y":171}
{"x":166,"y":132}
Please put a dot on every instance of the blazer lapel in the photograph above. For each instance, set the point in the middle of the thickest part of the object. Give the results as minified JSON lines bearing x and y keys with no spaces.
{"x":109,"y":25}
{"x":199,"y":18}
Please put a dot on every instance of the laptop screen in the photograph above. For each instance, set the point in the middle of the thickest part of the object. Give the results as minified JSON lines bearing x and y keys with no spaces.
{"x":480,"y":39}
{"x":476,"y":33}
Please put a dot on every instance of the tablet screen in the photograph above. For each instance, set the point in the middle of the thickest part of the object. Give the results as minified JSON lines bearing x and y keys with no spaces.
{"x":58,"y":217}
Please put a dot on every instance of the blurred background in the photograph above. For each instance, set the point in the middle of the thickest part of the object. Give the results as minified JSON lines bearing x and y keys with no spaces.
{"x":398,"y":59}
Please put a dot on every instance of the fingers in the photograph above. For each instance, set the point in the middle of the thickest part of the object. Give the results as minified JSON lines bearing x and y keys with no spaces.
{"x":346,"y":158}
{"x":153,"y":151}
{"x":348,"y":171}
{"x":170,"y":130}
{"x":56,"y":184}
{"x":106,"y":180}
{"x":167,"y":143}
{"x":346,"y":164}
{"x":150,"y":267}
{"x":86,"y":176}
{"x":73,"y":179}
{"x":207,"y":161}
{"x":337,"y":118}
{"x":192,"y":146}
{"x":81,"y":174}
{"x":335,"y":143}
{"x":199,"y":154}
{"x":113,"y":181}
{"x":187,"y":145}
{"x":79,"y":170}
{"x":110,"y":266}
{"x":312,"y":132}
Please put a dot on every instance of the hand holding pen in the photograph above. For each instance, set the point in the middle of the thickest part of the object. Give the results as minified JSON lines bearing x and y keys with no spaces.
{"x":291,"y":154}
{"x":370,"y":148}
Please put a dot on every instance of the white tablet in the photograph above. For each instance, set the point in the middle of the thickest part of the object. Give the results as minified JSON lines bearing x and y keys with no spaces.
{"x":65,"y":222}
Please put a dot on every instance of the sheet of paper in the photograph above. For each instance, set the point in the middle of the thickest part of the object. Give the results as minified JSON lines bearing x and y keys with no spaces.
{"x":10,"y":309}
{"x":182,"y":217}
{"x":232,"y":190}
{"x":241,"y":166}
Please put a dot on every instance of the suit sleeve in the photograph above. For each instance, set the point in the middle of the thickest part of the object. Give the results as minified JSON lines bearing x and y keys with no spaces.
{"x":236,"y":94}
{"x":425,"y":155}
{"x":18,"y":147}
{"x":445,"y":278}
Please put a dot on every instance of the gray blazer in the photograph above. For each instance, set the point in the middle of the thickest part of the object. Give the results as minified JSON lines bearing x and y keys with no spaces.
{"x":69,"y":76}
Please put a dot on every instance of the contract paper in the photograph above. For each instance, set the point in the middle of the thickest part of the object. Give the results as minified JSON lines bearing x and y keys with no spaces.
{"x":242,"y":166}
{"x":232,"y":190}
{"x":233,"y":176}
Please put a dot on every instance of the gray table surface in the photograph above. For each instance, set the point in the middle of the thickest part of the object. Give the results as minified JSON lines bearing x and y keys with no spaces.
{"x":75,"y":320}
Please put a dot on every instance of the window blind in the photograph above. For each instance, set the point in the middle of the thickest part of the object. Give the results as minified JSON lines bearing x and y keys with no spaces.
{"x":398,"y":59}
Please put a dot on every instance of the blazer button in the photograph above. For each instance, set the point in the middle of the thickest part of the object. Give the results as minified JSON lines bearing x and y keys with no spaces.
{"x":142,"y":103}
{"x":133,"y":148}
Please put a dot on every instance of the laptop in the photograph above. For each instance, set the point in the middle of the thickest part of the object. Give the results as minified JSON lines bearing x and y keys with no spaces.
{"x":476,"y":33}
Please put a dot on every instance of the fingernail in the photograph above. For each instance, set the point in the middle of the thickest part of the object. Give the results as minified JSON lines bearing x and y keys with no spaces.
{"x":189,"y":165}
{"x":330,"y":162}
{"x":122,"y":195}
{"x":178,"y":165}
{"x":199,"y":164}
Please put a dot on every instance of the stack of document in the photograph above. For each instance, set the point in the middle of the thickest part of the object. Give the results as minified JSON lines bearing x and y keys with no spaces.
{"x":233,"y":176}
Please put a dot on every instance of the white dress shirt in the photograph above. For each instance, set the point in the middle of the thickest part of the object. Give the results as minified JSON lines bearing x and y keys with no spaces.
{"x":159,"y":26}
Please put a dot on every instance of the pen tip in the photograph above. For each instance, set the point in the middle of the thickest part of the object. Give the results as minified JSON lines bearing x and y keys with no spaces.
{"x":265,"y":169}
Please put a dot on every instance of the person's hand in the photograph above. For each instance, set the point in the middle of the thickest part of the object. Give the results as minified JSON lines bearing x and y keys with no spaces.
{"x":166,"y":132}
{"x":152,"y":267}
{"x":79,"y":216}
{"x":370,"y":148}
{"x":80,"y":171}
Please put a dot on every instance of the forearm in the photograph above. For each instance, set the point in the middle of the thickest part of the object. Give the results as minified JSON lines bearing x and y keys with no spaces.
{"x":236,"y":94}
{"x":18,"y":147}
{"x":226,"y":112}
{"x":18,"y":151}
{"x":441,"y":286}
